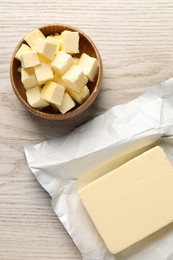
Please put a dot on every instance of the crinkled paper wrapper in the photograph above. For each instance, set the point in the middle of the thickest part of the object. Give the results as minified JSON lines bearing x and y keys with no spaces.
{"x":60,"y":166}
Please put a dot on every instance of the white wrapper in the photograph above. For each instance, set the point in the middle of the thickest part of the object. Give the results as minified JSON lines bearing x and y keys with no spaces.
{"x":121,"y":132}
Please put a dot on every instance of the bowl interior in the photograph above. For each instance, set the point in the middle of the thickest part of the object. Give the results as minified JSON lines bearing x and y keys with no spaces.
{"x":85,"y":45}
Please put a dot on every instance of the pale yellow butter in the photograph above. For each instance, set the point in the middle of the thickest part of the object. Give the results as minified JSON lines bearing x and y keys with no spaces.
{"x":66,"y":104}
{"x":32,"y":37}
{"x":70,"y":42}
{"x":23,"y":49}
{"x":29,"y":59}
{"x":34,"y":98}
{"x":56,"y":41}
{"x":57,"y":78}
{"x":43,"y":59}
{"x":46,"y":47}
{"x":74,"y":78}
{"x":89,"y":66}
{"x":132,"y":201}
{"x":43,"y":72}
{"x":75,"y":60}
{"x":62,"y":62}
{"x":81,"y":96}
{"x":53,"y":92}
{"x":28,"y":78}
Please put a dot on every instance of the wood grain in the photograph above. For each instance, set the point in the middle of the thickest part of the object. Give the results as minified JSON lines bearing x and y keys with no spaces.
{"x":135,"y":40}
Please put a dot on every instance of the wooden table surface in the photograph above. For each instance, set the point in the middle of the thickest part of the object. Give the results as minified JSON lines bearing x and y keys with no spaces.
{"x":135,"y":40}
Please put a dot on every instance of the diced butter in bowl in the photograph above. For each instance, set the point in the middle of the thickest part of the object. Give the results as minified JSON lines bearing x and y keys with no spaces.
{"x":56,"y":72}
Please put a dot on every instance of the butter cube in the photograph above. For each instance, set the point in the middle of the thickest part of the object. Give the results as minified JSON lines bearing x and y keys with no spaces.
{"x":23,"y":49}
{"x":75,"y":60}
{"x":34,"y":98}
{"x":81,"y":96}
{"x":46,"y":47}
{"x":57,"y":78}
{"x":32,"y":37}
{"x":43,"y":72}
{"x":62,"y":62}
{"x":29,"y":59}
{"x":89,"y":66}
{"x":66,"y":104}
{"x":70,"y":42}
{"x":56,"y":41}
{"x":74,"y":78}
{"x":53,"y":93}
{"x":43,"y":59}
{"x":28,"y":78}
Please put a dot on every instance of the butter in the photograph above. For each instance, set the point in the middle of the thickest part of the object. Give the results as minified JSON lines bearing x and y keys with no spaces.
{"x":70,"y":42}
{"x":53,"y":93}
{"x":74,"y":78}
{"x":34,"y":98}
{"x":23,"y":49}
{"x":62,"y":62}
{"x":43,"y":59}
{"x":57,"y":78}
{"x":89,"y":66}
{"x":28,"y":78}
{"x":46,"y":47}
{"x":132,"y":201}
{"x":32,"y":37}
{"x":43,"y":72}
{"x":81,"y":96}
{"x":75,"y":60}
{"x":29,"y":59}
{"x":66,"y":104}
{"x":56,"y":41}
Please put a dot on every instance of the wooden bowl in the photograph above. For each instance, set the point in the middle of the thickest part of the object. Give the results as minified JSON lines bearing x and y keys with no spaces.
{"x":85,"y":45}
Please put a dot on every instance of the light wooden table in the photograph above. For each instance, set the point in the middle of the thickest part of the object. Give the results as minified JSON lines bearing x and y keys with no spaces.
{"x":135,"y":40}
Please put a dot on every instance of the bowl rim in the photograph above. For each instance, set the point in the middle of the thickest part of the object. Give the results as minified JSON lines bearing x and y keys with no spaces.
{"x":79,"y":109}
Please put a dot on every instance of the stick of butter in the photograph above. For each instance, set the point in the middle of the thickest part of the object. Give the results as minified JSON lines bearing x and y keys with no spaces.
{"x":132,"y":201}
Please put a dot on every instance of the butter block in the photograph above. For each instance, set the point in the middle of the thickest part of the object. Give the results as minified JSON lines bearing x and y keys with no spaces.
{"x":32,"y":37}
{"x":43,"y":72}
{"x":132,"y":201}
{"x":29,"y":59}
{"x":28,"y":78}
{"x":62,"y":62}
{"x":70,"y":42}
{"x":81,"y":96}
{"x":46,"y":47}
{"x":23,"y":49}
{"x":53,"y":93}
{"x":89,"y":66}
{"x":74,"y":78}
{"x":34,"y":98}
{"x":66,"y":104}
